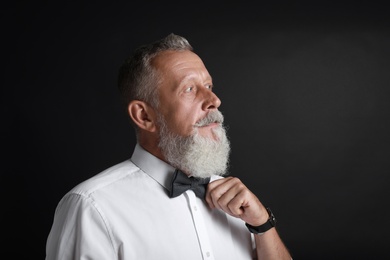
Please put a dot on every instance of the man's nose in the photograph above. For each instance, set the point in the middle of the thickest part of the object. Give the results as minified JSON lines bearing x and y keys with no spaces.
{"x":211,"y":100}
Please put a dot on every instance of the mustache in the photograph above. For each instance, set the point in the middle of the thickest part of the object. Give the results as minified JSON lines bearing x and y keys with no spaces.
{"x":212,"y":117}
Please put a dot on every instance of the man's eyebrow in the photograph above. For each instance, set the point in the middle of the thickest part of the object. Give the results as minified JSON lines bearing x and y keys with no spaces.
{"x":193,"y":76}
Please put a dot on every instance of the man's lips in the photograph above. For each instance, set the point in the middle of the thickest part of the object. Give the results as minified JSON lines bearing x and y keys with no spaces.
{"x":213,"y":124}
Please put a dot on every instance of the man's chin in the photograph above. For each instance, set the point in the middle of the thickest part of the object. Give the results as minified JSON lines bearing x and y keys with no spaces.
{"x":210,"y":132}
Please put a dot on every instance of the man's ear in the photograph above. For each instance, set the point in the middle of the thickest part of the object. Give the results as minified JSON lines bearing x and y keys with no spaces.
{"x":143,"y":115}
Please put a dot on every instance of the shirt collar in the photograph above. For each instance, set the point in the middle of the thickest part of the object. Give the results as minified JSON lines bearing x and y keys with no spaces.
{"x":157,"y":169}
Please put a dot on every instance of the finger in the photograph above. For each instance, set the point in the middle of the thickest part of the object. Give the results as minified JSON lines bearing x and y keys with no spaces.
{"x":248,"y":207}
{"x":232,"y":200}
{"x":239,"y":203}
{"x":223,"y":192}
{"x":215,"y":190}
{"x":224,"y":200}
{"x":211,"y":187}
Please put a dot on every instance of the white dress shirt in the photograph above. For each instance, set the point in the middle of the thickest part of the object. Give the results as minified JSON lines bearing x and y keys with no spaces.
{"x":125,"y":213}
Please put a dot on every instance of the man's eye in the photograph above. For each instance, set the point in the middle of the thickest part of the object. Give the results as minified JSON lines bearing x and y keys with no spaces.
{"x":209,"y":86}
{"x":189,"y":89}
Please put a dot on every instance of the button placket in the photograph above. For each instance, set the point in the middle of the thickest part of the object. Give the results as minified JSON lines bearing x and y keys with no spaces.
{"x":201,"y":231}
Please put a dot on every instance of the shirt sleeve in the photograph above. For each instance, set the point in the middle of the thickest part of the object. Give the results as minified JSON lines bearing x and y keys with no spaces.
{"x":79,"y":231}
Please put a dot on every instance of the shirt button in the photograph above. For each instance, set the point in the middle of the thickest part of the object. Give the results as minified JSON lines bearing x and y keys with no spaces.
{"x":208,"y":254}
{"x":195,"y":208}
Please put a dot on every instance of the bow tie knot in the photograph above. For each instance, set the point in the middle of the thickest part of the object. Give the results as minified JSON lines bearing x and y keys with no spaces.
{"x":181,"y":183}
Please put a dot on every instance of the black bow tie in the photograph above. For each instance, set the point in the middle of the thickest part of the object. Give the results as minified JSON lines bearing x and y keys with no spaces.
{"x":181,"y":182}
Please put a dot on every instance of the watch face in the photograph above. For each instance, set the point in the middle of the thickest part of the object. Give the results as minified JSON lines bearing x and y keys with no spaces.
{"x":272,"y":218}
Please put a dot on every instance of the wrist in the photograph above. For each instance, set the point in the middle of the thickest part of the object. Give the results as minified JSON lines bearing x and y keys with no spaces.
{"x":270,"y":223}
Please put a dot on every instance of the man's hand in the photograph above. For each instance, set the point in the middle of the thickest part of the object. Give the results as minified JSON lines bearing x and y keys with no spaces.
{"x":233,"y":197}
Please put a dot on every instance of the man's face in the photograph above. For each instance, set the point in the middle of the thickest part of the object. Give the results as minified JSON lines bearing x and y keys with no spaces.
{"x":185,"y":93}
{"x":192,"y":137}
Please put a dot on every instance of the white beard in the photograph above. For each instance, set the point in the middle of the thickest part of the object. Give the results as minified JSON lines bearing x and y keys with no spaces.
{"x":196,"y":155}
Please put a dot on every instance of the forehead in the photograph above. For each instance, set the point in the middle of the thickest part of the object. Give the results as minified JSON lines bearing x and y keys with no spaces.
{"x":178,"y":63}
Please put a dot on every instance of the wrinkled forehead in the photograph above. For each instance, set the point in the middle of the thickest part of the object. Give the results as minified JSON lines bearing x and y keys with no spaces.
{"x":168,"y":61}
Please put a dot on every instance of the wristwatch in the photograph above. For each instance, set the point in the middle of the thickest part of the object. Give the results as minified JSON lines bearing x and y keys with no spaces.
{"x":271,"y":222}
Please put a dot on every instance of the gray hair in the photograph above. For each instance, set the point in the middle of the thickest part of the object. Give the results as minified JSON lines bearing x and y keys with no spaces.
{"x":137,"y":79}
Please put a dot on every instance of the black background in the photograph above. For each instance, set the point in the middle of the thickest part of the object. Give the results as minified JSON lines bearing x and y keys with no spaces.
{"x":304,"y":89}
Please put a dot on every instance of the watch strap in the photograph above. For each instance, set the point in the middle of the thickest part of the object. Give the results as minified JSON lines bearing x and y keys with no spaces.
{"x":271,"y":222}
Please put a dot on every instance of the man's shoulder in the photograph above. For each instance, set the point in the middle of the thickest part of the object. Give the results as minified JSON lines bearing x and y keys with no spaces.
{"x":105,"y":178}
